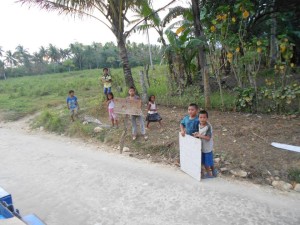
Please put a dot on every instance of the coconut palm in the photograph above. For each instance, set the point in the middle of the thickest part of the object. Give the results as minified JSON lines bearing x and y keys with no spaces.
{"x":10,"y":59}
{"x":43,"y":54}
{"x":114,"y":13}
{"x":54,"y":56}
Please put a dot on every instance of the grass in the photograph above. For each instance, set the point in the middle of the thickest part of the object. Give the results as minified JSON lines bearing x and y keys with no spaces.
{"x":26,"y":95}
{"x":294,"y":175}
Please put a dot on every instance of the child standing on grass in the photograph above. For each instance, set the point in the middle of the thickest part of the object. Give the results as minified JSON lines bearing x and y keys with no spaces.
{"x":72,"y":104}
{"x":205,"y":134}
{"x":111,"y":105}
{"x":106,"y":80}
{"x":153,"y":116}
{"x":190,"y":123}
{"x":133,"y":96}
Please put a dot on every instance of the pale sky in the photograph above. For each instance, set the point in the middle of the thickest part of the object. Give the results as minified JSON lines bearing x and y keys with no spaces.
{"x":33,"y":27}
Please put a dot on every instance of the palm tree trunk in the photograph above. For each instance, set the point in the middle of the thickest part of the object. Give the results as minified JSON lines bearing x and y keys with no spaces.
{"x":125,"y":61}
{"x":202,"y":55}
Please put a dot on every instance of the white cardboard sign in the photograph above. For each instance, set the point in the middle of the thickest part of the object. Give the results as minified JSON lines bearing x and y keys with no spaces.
{"x":190,"y":156}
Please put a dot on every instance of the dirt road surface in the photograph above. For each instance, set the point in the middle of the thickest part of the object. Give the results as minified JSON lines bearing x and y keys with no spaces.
{"x":68,"y":182}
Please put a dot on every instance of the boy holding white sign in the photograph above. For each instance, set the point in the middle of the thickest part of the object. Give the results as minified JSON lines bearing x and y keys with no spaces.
{"x":205,"y":134}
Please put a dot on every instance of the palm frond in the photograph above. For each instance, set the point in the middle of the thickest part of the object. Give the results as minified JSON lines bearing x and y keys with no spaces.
{"x":78,"y":8}
{"x":174,"y":13}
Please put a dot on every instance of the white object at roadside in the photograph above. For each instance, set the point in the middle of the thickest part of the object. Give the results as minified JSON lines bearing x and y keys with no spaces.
{"x":190,"y":156}
{"x":286,"y":147}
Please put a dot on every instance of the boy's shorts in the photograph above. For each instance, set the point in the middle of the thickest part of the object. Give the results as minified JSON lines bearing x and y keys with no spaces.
{"x":73,"y":111}
{"x":107,"y":90}
{"x":112,"y":115}
{"x":207,"y":159}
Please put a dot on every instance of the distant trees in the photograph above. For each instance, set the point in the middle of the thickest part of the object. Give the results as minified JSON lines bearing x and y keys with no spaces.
{"x":77,"y":56}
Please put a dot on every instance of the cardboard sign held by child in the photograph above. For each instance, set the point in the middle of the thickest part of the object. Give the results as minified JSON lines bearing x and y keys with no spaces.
{"x":127,"y":106}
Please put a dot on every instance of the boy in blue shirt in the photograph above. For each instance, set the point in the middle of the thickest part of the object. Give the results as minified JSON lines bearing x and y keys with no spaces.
{"x":190,"y":123}
{"x":72,"y":104}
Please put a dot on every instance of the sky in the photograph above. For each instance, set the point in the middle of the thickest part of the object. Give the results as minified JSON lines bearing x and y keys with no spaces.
{"x":32,"y":27}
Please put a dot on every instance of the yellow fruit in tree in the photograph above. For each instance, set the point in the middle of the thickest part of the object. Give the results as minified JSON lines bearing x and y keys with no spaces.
{"x":282,"y":48}
{"x":292,"y":65}
{"x":259,"y":50}
{"x":224,"y":17}
{"x":229,"y":56}
{"x":180,"y":29}
{"x":258,"y":43}
{"x":219,"y":17}
{"x":281,"y":67}
{"x":212,"y":28}
{"x":237,"y":49}
{"x":233,"y":19}
{"x":245,"y":14}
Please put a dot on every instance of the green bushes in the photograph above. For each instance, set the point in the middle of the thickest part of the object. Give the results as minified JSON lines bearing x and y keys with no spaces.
{"x":294,"y":175}
{"x":51,"y":121}
{"x":269,"y":98}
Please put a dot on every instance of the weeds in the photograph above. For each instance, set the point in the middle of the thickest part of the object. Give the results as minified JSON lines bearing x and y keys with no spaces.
{"x":294,"y":175}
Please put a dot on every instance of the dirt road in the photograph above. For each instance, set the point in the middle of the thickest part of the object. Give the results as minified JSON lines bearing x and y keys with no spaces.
{"x":68,"y":182}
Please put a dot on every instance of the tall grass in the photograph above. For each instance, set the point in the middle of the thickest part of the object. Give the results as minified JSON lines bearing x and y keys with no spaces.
{"x":25,"y":95}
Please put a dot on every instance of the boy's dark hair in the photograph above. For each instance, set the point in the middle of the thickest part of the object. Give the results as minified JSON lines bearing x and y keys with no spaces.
{"x":71,"y":91}
{"x":203,"y":112}
{"x":133,"y":88}
{"x":105,"y":68}
{"x":110,"y":93}
{"x":194,"y":105}
{"x":151,"y":97}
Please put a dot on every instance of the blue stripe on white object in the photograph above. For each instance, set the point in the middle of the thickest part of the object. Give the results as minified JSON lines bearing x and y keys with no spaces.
{"x":286,"y":147}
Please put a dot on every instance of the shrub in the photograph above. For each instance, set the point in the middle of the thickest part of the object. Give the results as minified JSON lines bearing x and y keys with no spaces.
{"x":294,"y":175}
{"x":51,"y":121}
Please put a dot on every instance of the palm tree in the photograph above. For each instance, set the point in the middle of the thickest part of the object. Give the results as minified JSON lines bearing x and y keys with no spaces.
{"x":114,"y":11}
{"x":23,"y":57}
{"x":43,"y":54}
{"x":10,"y":59}
{"x":54,"y":56}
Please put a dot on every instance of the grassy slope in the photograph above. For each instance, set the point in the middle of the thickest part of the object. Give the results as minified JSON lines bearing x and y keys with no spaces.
{"x":21,"y":96}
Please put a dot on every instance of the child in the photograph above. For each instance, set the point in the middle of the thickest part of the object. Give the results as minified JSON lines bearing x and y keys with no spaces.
{"x":72,"y":104}
{"x":106,"y":80}
{"x":132,"y":96}
{"x":153,"y":116}
{"x":190,"y":124}
{"x":205,"y":134}
{"x":111,"y":105}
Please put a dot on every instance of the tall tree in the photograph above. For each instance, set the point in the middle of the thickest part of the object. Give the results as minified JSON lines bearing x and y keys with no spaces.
{"x":23,"y":57}
{"x":54,"y":56}
{"x":202,"y":55}
{"x":114,"y":11}
{"x":10,"y":59}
